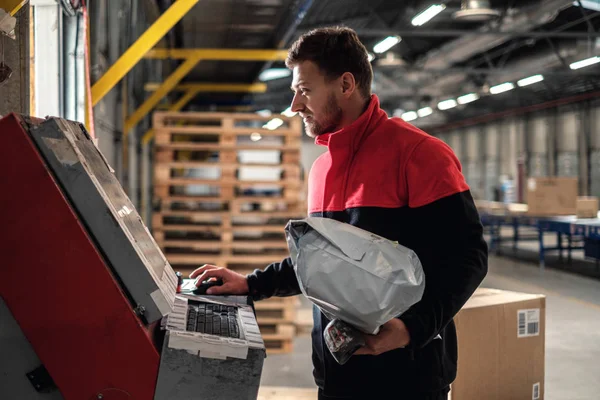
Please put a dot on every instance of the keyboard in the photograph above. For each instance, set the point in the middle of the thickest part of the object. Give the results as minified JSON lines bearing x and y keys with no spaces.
{"x":212,"y":319}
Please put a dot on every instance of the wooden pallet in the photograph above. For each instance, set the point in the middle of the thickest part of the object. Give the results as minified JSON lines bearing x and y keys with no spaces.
{"x":278,"y":338}
{"x":276,"y":311}
{"x":279,"y":346}
{"x":197,"y":126}
{"x":304,"y":321}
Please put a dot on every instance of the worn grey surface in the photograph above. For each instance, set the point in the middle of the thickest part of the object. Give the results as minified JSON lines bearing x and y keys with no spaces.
{"x":110,"y":218}
{"x":184,"y":376}
{"x":17,"y":358}
{"x":572,"y":332}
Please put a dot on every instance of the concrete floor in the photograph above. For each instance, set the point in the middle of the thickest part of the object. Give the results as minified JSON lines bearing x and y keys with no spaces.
{"x":572,"y":332}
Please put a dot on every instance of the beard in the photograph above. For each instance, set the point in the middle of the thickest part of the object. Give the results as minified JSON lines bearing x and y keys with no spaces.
{"x":332,"y":116}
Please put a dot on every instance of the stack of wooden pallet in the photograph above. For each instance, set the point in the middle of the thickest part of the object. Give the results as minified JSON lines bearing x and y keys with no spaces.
{"x":225,"y":185}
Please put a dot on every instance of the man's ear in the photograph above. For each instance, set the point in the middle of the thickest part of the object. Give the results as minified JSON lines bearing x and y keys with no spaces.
{"x":348,"y":84}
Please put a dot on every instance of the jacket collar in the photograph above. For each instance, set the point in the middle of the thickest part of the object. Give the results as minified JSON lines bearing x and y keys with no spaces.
{"x":351,"y":136}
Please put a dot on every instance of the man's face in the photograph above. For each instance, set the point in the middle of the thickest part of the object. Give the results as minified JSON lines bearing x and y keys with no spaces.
{"x":315,"y":99}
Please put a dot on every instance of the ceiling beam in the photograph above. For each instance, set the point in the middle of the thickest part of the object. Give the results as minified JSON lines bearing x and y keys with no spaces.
{"x":462,"y":32}
{"x":219,"y":54}
{"x":12,"y":6}
{"x":213,"y":87}
{"x":402,"y":69}
{"x":142,"y":45}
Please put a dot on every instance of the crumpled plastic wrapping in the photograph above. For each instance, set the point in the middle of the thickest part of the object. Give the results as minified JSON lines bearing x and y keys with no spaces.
{"x":353,"y":275}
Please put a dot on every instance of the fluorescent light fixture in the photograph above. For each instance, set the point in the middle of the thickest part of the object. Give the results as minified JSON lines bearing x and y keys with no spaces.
{"x":426,"y":16}
{"x":273,"y":124}
{"x":503,"y":87}
{"x":274,"y":73}
{"x":593,"y":5}
{"x":425,"y":111}
{"x":255,"y":136}
{"x":288,"y":112}
{"x":409,"y":116}
{"x":447,"y":104}
{"x":468,"y":98}
{"x":386,"y":44}
{"x":530,"y":81}
{"x":371,"y":56}
{"x":585,"y":63}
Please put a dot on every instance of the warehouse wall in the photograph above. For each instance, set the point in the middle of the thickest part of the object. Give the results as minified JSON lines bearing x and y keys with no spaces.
{"x":594,"y":154}
{"x":14,"y":94}
{"x":562,"y":142}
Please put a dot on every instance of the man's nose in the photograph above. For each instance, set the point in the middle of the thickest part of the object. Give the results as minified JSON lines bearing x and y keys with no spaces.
{"x":297,"y":103}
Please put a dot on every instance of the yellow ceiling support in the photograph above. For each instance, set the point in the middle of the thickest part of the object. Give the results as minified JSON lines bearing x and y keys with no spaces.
{"x":161,"y":92}
{"x":219,"y":54}
{"x":214,"y":87}
{"x":192,"y":57}
{"x":12,"y":6}
{"x":141,"y":46}
{"x":182,"y":102}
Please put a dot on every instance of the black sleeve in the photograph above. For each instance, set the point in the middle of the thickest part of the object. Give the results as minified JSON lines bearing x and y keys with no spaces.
{"x":278,"y":279}
{"x":448,"y":238}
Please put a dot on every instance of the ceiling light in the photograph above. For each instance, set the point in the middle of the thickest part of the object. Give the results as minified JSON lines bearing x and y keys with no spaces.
{"x":386,"y":44}
{"x":530,"y":81}
{"x":410,"y":116}
{"x":593,"y":5}
{"x":447,"y":104}
{"x":255,"y":136}
{"x":274,"y":73}
{"x":426,"y":16}
{"x":504,"y":87}
{"x":273,"y":124}
{"x":425,"y":111}
{"x":288,"y":112}
{"x":371,"y":56}
{"x":468,"y":98}
{"x":585,"y":63}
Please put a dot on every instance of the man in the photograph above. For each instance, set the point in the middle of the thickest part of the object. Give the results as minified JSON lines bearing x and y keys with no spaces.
{"x":387,"y":177}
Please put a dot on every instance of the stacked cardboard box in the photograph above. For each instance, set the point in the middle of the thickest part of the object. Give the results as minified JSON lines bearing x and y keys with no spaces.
{"x":587,"y":207}
{"x":501,"y":347}
{"x":549,"y":196}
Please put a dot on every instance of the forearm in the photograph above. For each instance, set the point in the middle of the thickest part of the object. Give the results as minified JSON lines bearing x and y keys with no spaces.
{"x":278,"y":279}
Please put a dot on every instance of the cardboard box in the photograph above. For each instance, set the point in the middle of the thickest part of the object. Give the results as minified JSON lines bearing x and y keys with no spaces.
{"x":587,"y":207}
{"x":552,"y":196}
{"x":501,"y":346}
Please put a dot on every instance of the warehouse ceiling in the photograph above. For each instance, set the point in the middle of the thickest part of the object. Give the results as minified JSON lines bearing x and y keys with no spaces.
{"x":443,"y":59}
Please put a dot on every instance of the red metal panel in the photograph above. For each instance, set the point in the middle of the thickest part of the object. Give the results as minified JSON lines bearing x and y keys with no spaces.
{"x":58,"y":287}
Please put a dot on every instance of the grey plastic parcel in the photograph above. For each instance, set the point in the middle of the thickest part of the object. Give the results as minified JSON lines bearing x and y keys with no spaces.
{"x":353,"y":275}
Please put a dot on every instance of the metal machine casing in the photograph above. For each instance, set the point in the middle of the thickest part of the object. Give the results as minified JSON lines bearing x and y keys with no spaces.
{"x":58,"y":277}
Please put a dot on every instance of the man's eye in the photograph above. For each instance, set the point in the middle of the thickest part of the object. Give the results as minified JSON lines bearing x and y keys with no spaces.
{"x":304,"y":91}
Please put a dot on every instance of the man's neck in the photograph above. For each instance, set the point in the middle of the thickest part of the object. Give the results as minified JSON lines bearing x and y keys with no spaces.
{"x":354,"y":110}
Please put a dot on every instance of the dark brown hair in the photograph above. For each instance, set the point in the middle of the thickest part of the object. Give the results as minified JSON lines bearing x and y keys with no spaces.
{"x":335,"y":50}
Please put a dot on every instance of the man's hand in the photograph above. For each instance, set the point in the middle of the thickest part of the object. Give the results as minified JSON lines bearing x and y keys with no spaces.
{"x":233,"y":283}
{"x":392,"y":335}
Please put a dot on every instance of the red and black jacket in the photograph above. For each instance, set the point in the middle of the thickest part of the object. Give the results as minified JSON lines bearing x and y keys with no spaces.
{"x":386,"y":176}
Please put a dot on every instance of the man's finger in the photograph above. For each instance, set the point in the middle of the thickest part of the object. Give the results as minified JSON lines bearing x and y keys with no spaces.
{"x":223,"y":289}
{"x":210,"y":273}
{"x":363,"y":350}
{"x":200,"y":270}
